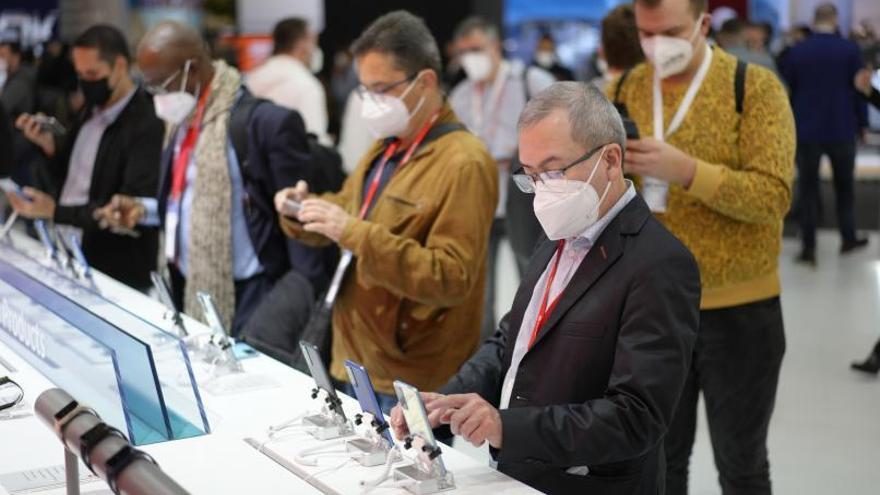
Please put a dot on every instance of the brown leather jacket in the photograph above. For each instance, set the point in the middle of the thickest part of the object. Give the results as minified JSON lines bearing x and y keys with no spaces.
{"x":411,"y":304}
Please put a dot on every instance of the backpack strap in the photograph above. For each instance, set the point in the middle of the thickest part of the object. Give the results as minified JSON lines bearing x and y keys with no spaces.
{"x":739,"y":85}
{"x":441,"y":130}
{"x":620,"y":85}
{"x":239,"y":127}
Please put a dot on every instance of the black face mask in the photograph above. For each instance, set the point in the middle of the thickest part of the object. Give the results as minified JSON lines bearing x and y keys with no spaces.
{"x":96,"y":93}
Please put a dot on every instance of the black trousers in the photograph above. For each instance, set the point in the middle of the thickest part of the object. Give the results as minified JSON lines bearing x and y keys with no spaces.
{"x":248,"y":294}
{"x":736,"y":365}
{"x":843,"y":158}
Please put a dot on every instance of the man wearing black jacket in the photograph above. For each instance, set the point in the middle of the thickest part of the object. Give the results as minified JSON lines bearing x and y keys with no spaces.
{"x":215,"y":198}
{"x":114,"y":148}
{"x":576,"y":389}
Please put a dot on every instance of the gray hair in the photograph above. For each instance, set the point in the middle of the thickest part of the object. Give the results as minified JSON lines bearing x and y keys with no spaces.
{"x":475,"y":23}
{"x":403,"y":36}
{"x":593,"y":119}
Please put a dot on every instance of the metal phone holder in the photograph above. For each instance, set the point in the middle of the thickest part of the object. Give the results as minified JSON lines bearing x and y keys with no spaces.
{"x":220,"y":353}
{"x":371,"y":449}
{"x":330,"y":423}
{"x":426,"y":475}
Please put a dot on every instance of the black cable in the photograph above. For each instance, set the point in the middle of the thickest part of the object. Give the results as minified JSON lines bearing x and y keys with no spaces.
{"x":4,"y":381}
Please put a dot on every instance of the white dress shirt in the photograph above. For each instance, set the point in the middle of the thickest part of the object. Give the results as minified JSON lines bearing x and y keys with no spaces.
{"x":573,"y":254}
{"x":491,"y":110}
{"x":287,"y":82}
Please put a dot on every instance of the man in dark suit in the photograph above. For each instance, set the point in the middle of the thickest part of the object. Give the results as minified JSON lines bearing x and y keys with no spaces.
{"x":829,"y":115}
{"x":577,"y":387}
{"x":113,"y":148}
{"x":228,"y":155}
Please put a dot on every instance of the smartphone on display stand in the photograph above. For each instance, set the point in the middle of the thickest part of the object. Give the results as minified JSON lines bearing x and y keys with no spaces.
{"x":319,"y":371}
{"x":219,"y":338}
{"x":45,"y":238}
{"x":366,"y":396}
{"x":163,"y":292}
{"x":10,"y":186}
{"x":78,"y":255}
{"x":419,"y":428}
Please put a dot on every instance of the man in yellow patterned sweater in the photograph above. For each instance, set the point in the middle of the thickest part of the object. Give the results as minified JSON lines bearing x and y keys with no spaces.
{"x":715,"y":163}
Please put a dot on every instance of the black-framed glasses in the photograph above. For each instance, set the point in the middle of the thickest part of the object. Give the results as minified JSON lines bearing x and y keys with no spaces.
{"x":162,"y":88}
{"x":11,"y":393}
{"x":380,"y":89}
{"x":552,"y":179}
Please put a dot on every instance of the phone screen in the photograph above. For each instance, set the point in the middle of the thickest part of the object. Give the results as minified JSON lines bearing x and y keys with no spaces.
{"x":290,"y":208}
{"x":417,"y":419}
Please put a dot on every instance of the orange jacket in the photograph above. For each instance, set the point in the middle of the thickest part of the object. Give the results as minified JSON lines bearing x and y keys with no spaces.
{"x":411,"y":304}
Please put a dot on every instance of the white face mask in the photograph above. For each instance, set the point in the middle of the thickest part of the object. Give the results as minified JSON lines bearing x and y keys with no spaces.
{"x":3,"y":72}
{"x":317,"y":61}
{"x":386,"y":115}
{"x":670,"y":55}
{"x":567,"y":208}
{"x":174,"y":107}
{"x":602,"y":66}
{"x":545,"y":58}
{"x":477,"y":65}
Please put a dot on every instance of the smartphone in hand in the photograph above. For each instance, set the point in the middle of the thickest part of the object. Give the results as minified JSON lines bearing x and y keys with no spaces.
{"x":291,"y":208}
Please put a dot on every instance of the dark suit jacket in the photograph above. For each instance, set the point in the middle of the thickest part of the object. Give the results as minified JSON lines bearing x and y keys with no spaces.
{"x":127,"y":163}
{"x":277,"y":157}
{"x":5,"y":142}
{"x":819,"y":72}
{"x":601,"y":383}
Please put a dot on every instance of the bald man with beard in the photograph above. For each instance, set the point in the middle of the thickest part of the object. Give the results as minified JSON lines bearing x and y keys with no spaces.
{"x":226,"y":155}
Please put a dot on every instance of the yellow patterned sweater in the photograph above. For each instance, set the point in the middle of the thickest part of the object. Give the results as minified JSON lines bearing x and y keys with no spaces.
{"x":731,"y":216}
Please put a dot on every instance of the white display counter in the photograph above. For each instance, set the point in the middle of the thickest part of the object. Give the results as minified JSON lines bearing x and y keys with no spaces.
{"x":222,"y":462}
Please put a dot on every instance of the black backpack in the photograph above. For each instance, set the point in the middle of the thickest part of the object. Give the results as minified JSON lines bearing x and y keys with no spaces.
{"x":326,"y":159}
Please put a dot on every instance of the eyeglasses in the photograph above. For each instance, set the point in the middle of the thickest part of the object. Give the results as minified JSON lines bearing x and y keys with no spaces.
{"x":11,"y":393}
{"x":162,"y":88}
{"x":363,"y":91}
{"x":554,"y":180}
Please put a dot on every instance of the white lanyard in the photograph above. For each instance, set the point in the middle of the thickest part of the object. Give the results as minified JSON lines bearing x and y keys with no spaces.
{"x":685,"y":104}
{"x":494,"y":99}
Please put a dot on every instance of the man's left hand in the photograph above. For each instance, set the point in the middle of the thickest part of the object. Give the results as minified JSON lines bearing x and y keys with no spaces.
{"x":324,"y":218}
{"x":41,"y":205}
{"x":652,"y":158}
{"x":470,"y":417}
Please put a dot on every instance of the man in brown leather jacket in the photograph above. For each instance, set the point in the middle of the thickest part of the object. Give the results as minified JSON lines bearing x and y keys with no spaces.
{"x":415,"y":215}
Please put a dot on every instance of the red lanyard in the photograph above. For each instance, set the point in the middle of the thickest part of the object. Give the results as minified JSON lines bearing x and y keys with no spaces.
{"x":181,"y":161}
{"x":544,"y":311}
{"x":389,"y":152}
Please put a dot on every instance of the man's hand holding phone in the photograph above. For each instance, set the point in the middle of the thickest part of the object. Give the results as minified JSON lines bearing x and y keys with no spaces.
{"x":36,"y":130}
{"x":122,"y":212}
{"x":398,"y":422}
{"x":288,"y":201}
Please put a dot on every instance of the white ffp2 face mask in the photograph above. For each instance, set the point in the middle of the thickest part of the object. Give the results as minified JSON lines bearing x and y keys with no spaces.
{"x":670,"y":55}
{"x":477,"y":65}
{"x":174,"y":107}
{"x":568,"y":208}
{"x":386,"y":115}
{"x":316,"y":61}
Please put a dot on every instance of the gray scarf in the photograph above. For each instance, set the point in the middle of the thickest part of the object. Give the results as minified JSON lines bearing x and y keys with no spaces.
{"x":210,"y":240}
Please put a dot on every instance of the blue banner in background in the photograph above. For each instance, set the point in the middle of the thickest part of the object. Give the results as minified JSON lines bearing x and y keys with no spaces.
{"x":30,"y":22}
